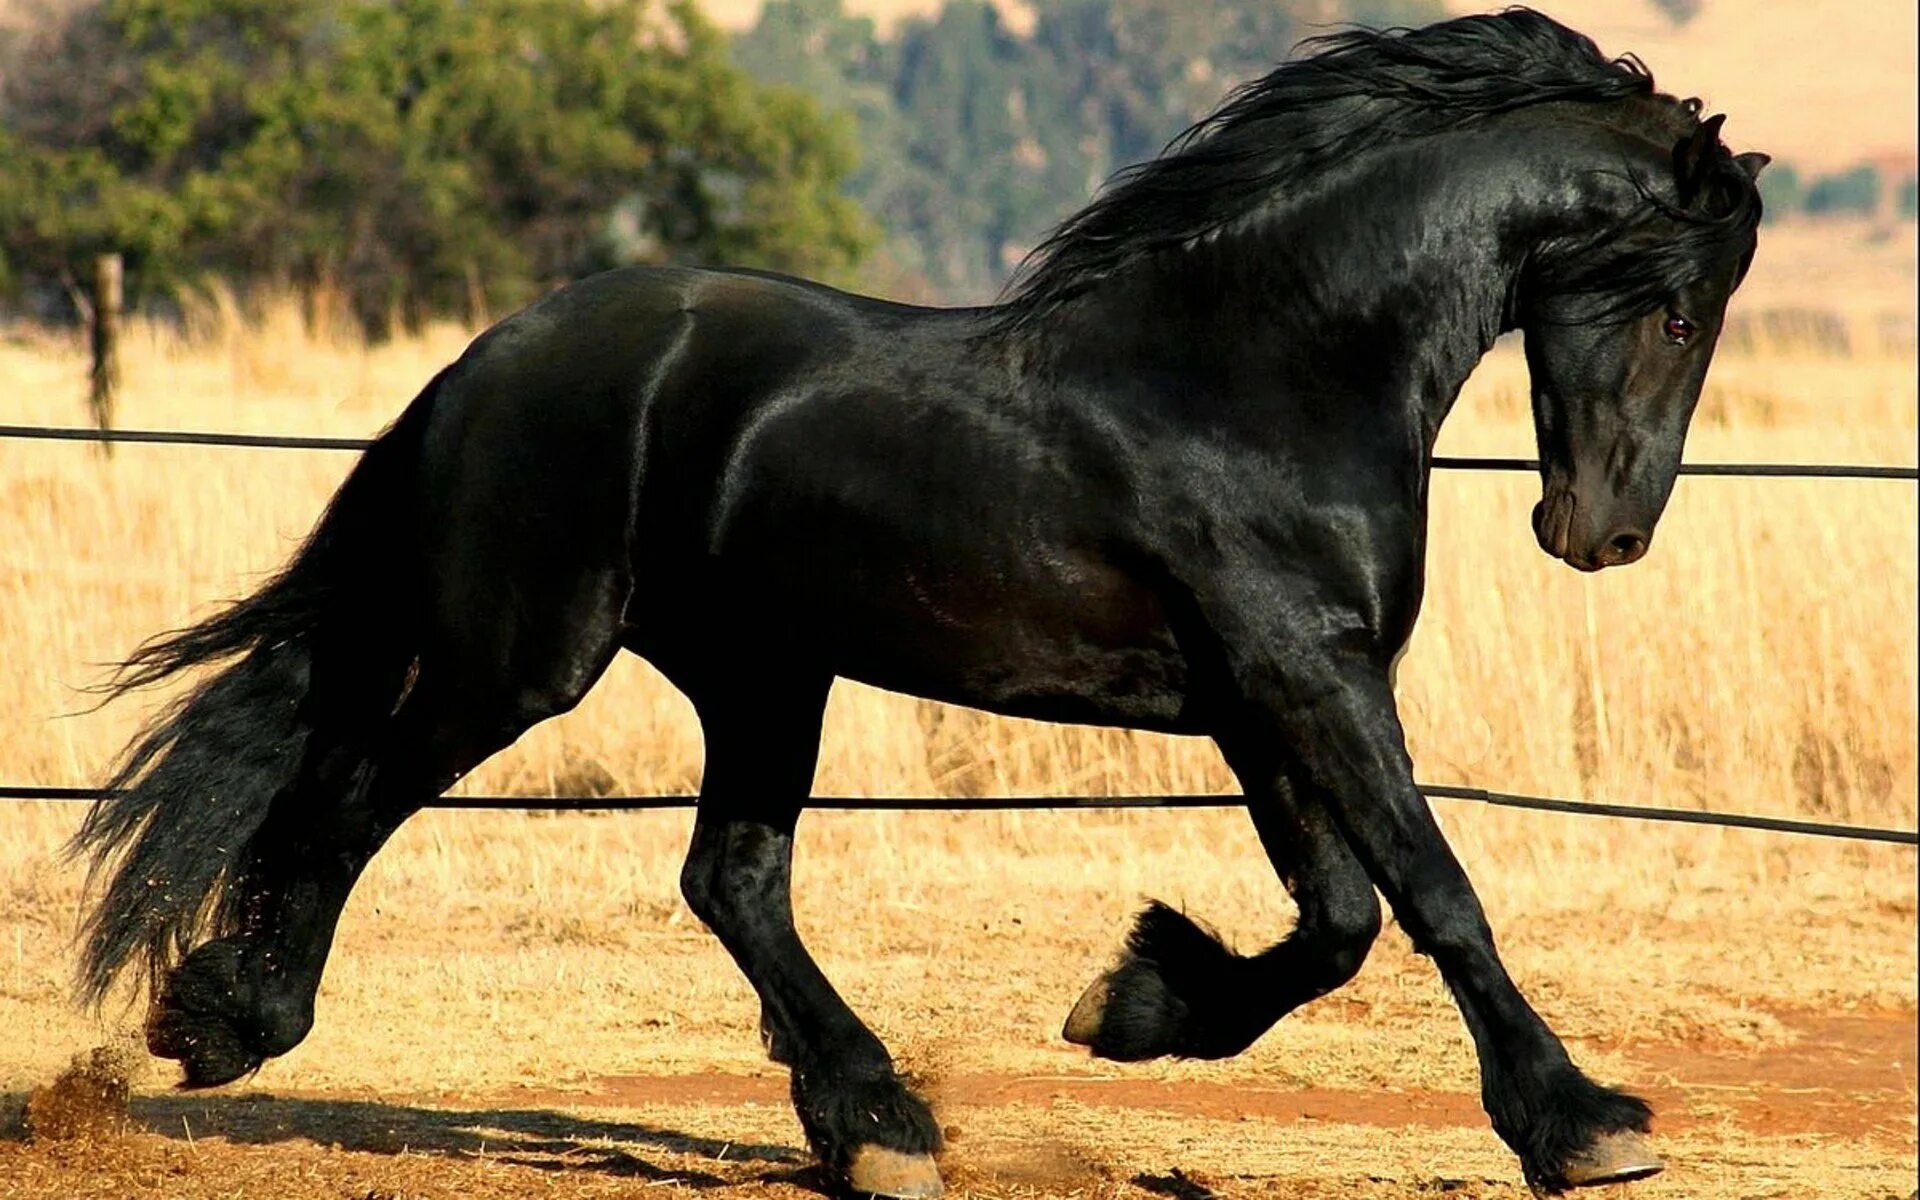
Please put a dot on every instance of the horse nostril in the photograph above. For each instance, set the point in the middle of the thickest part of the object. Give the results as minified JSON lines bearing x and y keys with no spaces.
{"x":1625,"y":548}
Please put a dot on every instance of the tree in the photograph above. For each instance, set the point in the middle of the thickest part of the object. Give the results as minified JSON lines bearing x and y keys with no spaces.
{"x":1851,"y":191}
{"x":410,"y":151}
{"x":1782,"y":191}
{"x":941,"y":119}
{"x":1679,"y":12}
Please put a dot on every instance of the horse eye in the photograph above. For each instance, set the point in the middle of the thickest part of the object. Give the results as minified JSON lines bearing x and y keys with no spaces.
{"x":1679,"y":329}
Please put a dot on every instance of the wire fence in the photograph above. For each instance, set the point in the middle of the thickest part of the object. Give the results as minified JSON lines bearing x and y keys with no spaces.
{"x":589,"y":804}
{"x":1725,"y":820}
{"x":274,"y":441}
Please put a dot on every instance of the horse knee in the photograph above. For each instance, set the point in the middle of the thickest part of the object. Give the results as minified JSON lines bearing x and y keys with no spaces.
{"x":1347,"y":931}
{"x":725,"y":882}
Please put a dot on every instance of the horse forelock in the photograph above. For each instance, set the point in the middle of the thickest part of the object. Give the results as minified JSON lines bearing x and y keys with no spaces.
{"x":1658,"y":247}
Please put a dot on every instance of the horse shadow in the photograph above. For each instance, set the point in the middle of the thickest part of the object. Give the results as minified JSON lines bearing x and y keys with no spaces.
{"x":540,"y":1139}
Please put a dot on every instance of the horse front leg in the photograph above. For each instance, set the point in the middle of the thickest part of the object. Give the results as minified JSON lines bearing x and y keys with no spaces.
{"x":869,"y":1130}
{"x":1335,"y":714}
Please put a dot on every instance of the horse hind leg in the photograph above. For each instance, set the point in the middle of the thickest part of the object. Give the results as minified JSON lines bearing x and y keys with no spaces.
{"x":1178,"y":991}
{"x":249,"y":995}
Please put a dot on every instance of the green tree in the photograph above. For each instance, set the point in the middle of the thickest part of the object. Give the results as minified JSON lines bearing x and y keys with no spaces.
{"x":1680,"y":11}
{"x":948,"y":158}
{"x":1782,"y":191}
{"x":1852,"y":191}
{"x":410,"y":151}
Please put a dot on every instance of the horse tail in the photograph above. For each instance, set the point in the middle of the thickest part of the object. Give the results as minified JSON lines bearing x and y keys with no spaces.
{"x":325,"y":647}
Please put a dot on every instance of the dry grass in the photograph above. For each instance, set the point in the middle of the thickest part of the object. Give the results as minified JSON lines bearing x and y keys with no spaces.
{"x":1763,"y":659}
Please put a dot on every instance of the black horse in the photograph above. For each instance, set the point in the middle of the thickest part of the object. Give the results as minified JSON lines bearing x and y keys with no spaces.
{"x":1176,"y":481}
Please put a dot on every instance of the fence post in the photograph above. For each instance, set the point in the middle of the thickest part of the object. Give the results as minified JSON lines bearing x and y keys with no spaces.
{"x":105,"y":378}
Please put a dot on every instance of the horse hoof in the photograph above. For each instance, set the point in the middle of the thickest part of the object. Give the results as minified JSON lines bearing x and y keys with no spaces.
{"x":1613,"y":1158}
{"x":878,"y":1171}
{"x":1083,"y":1023}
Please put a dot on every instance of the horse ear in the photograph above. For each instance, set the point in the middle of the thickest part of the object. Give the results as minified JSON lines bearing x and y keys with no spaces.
{"x":1692,"y":154}
{"x":1752,"y":162}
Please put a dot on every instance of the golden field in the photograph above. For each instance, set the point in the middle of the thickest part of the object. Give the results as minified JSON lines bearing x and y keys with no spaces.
{"x":1762,"y":659}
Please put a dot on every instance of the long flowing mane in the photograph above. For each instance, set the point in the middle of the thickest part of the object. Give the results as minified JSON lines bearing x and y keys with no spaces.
{"x":1357,"y":90}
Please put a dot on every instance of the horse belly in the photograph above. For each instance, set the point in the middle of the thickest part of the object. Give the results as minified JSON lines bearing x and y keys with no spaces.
{"x":1056,"y":637}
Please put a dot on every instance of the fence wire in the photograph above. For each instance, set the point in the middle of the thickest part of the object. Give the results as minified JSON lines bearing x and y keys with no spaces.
{"x":590,"y":804}
{"x":274,"y":441}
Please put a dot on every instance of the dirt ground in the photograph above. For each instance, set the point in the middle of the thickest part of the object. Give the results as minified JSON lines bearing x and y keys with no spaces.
{"x":533,"y":1044}
{"x":1835,"y":1117}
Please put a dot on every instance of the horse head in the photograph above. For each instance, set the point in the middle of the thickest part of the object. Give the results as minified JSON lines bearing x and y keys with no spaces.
{"x":1620,"y":325}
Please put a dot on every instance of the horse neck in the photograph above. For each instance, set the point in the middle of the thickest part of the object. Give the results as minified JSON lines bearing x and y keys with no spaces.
{"x":1387,"y":284}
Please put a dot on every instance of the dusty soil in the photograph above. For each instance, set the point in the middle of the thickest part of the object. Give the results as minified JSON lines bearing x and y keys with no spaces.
{"x":1840,"y":1104}
{"x":1846,"y":1075}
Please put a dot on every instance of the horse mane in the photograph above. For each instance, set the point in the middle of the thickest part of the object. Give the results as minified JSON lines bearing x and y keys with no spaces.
{"x":1357,"y":90}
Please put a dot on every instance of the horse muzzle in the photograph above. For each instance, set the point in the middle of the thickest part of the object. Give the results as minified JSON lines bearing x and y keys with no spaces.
{"x":1567,"y":530}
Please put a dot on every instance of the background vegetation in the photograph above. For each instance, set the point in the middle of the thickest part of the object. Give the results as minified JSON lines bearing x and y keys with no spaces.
{"x":977,"y":136}
{"x":400,"y":158}
{"x":415,"y":156}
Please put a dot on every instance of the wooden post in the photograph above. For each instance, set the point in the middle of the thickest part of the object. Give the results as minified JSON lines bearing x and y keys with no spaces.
{"x":476,"y":298}
{"x":107,"y":297}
